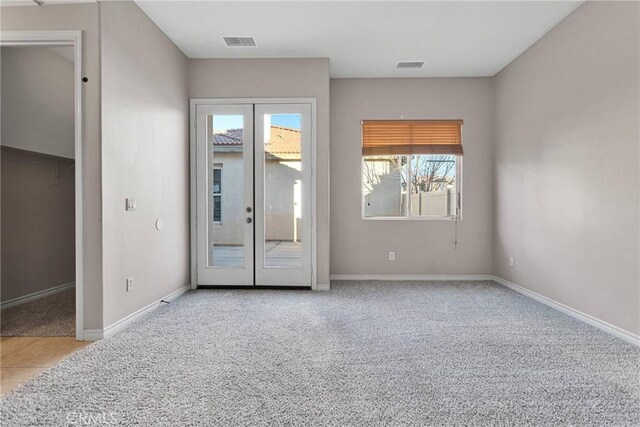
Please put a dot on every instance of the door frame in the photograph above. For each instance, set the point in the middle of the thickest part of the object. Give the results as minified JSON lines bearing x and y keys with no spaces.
{"x":72,"y":38}
{"x":193,"y":104}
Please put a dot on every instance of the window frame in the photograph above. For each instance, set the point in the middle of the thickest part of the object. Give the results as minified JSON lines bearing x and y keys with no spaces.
{"x":214,"y":194}
{"x":459,"y":197}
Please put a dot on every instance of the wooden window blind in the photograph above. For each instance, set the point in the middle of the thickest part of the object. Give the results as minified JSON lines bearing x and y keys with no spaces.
{"x":403,"y":137}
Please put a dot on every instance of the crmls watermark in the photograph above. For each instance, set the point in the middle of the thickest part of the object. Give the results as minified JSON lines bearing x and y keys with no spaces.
{"x":91,"y":418}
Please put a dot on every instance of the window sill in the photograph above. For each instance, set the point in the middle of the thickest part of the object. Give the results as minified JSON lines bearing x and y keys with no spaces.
{"x":410,"y":218}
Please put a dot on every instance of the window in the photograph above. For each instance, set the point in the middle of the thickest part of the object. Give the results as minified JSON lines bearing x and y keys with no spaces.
{"x":414,"y":175}
{"x":217,"y":194}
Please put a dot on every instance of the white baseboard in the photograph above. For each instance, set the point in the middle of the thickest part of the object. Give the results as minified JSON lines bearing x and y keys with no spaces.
{"x":92,"y":334}
{"x":96,"y":334}
{"x":400,"y":277}
{"x":122,"y":323}
{"x":587,"y":318}
{"x":591,"y":320}
{"x":37,"y":295}
{"x":323,"y":287}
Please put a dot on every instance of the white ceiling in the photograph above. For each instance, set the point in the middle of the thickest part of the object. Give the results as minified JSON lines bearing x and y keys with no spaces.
{"x":361,"y":38}
{"x":364,"y":39}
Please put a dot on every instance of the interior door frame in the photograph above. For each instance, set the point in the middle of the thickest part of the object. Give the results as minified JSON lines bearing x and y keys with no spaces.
{"x":194,"y":103}
{"x":71,"y":38}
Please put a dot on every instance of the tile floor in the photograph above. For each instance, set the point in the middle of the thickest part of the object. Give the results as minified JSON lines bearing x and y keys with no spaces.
{"x":22,"y":358}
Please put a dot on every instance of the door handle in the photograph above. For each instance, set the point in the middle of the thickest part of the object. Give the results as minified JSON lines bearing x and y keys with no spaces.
{"x":249,"y":220}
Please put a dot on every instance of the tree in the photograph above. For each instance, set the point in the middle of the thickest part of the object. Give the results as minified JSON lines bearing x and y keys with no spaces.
{"x":429,"y":172}
{"x":375,"y":168}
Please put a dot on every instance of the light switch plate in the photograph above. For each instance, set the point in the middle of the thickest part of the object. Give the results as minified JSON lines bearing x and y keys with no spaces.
{"x":129,"y":284}
{"x":131,"y":204}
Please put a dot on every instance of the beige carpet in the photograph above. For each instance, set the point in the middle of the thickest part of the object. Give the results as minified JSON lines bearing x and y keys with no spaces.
{"x":52,"y":316}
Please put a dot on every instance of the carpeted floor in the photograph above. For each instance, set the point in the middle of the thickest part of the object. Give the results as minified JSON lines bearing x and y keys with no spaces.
{"x":52,"y":316}
{"x":363,"y":354}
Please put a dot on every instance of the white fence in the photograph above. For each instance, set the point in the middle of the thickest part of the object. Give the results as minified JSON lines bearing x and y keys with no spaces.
{"x":436,"y":203}
{"x":387,"y":200}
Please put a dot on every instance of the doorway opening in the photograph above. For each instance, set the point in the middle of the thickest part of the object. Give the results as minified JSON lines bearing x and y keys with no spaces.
{"x":41,"y":153}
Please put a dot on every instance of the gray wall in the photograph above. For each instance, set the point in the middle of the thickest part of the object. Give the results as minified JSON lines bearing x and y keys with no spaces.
{"x":422,"y":246}
{"x":278,"y":78}
{"x":38,"y":100}
{"x":38,"y":222}
{"x":567,"y":164}
{"x":79,"y":17}
{"x":145,"y":149}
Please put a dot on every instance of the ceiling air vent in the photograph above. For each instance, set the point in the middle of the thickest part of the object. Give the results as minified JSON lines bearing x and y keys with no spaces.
{"x":239,"y":41}
{"x":409,"y":65}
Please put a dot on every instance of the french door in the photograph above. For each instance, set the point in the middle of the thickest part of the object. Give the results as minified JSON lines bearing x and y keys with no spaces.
{"x":253,"y":194}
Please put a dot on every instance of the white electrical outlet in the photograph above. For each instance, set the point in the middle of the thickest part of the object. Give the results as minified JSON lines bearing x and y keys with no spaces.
{"x":511,"y":262}
{"x":131,"y":204}
{"x":129,"y":284}
{"x":392,"y":256}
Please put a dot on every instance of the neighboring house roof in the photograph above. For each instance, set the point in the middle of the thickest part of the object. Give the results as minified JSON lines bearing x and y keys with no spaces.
{"x":230,"y":137}
{"x":283,"y":143}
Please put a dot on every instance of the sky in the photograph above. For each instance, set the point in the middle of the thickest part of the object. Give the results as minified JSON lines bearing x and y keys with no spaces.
{"x":223,"y":122}
{"x":286,"y":120}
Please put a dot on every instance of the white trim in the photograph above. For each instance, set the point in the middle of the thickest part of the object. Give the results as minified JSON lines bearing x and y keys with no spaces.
{"x":323,"y":287}
{"x":122,"y":323}
{"x":230,"y":101}
{"x":66,"y":38}
{"x":577,"y":314}
{"x":314,"y":193}
{"x":32,"y":3}
{"x":400,"y":277}
{"x":37,"y":295}
{"x":193,"y":253}
{"x":39,"y":38}
{"x":193,"y":103}
{"x":92,"y":334}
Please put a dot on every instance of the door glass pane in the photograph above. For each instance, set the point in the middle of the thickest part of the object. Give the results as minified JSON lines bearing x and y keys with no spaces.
{"x":226,"y":191}
{"x":282,"y":191}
